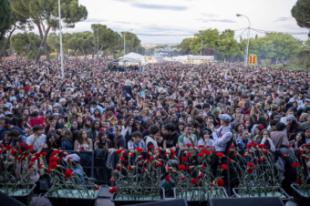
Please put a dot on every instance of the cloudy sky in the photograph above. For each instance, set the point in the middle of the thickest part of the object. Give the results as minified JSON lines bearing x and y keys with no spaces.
{"x":169,"y":21}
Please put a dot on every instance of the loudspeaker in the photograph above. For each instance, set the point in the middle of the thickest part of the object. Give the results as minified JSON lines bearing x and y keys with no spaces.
{"x":8,"y":201}
{"x":180,"y":202}
{"x":264,"y":201}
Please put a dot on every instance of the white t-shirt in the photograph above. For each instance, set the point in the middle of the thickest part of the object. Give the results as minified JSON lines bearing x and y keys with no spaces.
{"x":202,"y":142}
{"x":36,"y":142}
{"x":149,"y":139}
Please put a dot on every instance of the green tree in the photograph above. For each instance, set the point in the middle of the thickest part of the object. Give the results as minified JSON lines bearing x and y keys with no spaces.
{"x":5,"y":15}
{"x":275,"y":47}
{"x":301,"y":12}
{"x":105,"y":39}
{"x":26,"y":44}
{"x":53,"y":42}
{"x":44,"y":15}
{"x":81,"y":43}
{"x":133,"y":43}
{"x":186,"y":45}
{"x":212,"y":42}
{"x":302,"y":57}
{"x":15,"y":22}
{"x":206,"y":41}
{"x":228,"y":47}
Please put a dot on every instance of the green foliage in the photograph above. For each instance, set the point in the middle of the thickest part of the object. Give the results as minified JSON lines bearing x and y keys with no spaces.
{"x":5,"y":16}
{"x":26,"y":44}
{"x":133,"y":43}
{"x":186,"y":45}
{"x":302,"y":58}
{"x":212,"y":42}
{"x":81,"y":43}
{"x":105,"y":39}
{"x":53,"y":42}
{"x":301,"y":12}
{"x":44,"y":15}
{"x":275,"y":47}
{"x":227,"y":46}
{"x":101,"y":40}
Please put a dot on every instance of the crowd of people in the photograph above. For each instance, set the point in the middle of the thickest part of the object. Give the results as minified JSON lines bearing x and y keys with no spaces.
{"x":167,"y":105}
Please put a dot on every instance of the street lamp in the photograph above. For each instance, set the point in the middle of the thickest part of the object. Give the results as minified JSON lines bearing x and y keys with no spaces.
{"x":60,"y":42}
{"x":248,"y":42}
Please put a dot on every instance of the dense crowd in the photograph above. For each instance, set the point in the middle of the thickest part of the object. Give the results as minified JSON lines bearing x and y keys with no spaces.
{"x":167,"y":105}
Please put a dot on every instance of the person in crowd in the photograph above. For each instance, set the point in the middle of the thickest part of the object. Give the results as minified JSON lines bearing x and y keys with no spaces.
{"x":206,"y":140}
{"x":102,"y":142}
{"x":83,"y":143}
{"x":241,"y":137}
{"x":78,"y":172}
{"x":170,"y":135}
{"x":136,"y":141}
{"x":267,"y":141}
{"x":188,"y":137}
{"x":279,"y":136}
{"x":302,"y":138}
{"x":153,"y":140}
{"x":37,"y":139}
{"x":66,"y":141}
{"x":223,"y":135}
{"x":52,"y":141}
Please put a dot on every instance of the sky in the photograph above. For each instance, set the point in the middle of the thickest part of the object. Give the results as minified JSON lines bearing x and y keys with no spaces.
{"x":170,"y":21}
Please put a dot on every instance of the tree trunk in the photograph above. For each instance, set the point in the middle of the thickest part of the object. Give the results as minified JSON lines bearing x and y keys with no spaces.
{"x":43,"y":43}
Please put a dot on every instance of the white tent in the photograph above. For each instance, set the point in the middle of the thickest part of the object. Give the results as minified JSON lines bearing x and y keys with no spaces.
{"x":132,"y":59}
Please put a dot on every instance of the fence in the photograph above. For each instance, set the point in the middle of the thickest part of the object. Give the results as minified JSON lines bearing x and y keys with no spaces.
{"x":94,"y":165}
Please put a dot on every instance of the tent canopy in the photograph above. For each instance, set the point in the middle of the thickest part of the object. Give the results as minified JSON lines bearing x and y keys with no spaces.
{"x":132,"y":59}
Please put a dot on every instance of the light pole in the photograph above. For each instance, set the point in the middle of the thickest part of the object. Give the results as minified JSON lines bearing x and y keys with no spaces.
{"x":248,"y":42}
{"x":124,"y":35}
{"x":124,"y":43}
{"x":60,"y":42}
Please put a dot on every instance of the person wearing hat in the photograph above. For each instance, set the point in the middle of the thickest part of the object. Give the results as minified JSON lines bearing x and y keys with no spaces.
{"x":78,"y":171}
{"x":223,"y":135}
{"x":37,"y":139}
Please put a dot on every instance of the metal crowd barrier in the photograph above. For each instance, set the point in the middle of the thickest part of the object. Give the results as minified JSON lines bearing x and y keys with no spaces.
{"x":94,"y":164}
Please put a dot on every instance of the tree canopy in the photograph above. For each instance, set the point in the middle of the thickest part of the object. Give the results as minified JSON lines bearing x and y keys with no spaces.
{"x":44,"y":15}
{"x":275,"y":47}
{"x":26,"y":44}
{"x":5,"y":16}
{"x":301,"y":12}
{"x":212,"y":42}
{"x":105,"y":39}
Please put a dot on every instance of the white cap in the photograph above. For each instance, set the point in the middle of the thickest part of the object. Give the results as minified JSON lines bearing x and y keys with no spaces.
{"x":72,"y":157}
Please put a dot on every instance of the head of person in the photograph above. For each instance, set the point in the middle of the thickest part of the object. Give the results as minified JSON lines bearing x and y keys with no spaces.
{"x":207,"y":134}
{"x":188,"y":130}
{"x":74,"y":159}
{"x":37,"y":130}
{"x":266,"y":134}
{"x":155,"y":132}
{"x":52,"y":138}
{"x":137,"y":137}
{"x":239,"y":128}
{"x":280,"y":126}
{"x":84,"y":135}
{"x":225,"y":119}
{"x":206,"y":107}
